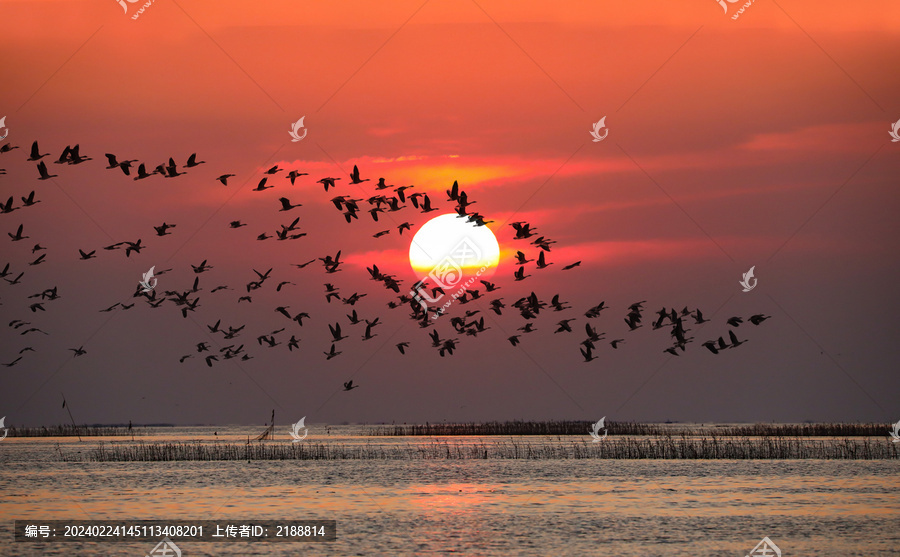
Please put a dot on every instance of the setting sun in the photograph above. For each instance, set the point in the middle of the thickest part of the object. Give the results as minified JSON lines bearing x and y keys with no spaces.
{"x":447,"y":246}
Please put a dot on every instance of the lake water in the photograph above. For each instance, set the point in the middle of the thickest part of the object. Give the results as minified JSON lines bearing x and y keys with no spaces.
{"x":461,"y":507}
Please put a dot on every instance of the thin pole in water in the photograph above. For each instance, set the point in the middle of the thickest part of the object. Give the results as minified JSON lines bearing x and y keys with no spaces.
{"x":66,"y":406}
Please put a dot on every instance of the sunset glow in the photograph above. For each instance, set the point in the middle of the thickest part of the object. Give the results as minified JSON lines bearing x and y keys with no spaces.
{"x":448,"y":242}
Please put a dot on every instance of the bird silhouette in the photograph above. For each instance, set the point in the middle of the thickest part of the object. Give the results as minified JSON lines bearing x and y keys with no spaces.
{"x":36,"y":153}
{"x":18,"y":235}
{"x":142,"y":172}
{"x":541,"y":263}
{"x":758,"y":318}
{"x":8,"y":206}
{"x":354,"y":176}
{"x":286,"y":204}
{"x":262,"y":185}
{"x":293,"y":175}
{"x":42,"y":170}
{"x":328,"y":182}
{"x":336,"y":332}
{"x":30,"y":201}
{"x":734,"y":340}
{"x":332,"y":353}
{"x":162,"y":230}
{"x":192,"y":161}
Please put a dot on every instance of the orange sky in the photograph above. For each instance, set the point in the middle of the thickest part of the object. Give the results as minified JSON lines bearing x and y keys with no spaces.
{"x":727,"y":142}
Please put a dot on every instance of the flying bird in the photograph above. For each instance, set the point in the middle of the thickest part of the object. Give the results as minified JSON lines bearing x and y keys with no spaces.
{"x":541,"y":263}
{"x":133,"y":246}
{"x":162,"y":230}
{"x":336,"y":332}
{"x":520,"y":258}
{"x":202,"y":267}
{"x":734,"y":340}
{"x":36,"y":153}
{"x":327,"y":182}
{"x":283,"y":311}
{"x":8,"y":206}
{"x":286,"y":204}
{"x":192,"y":161}
{"x":262,"y":185}
{"x":735,"y":321}
{"x":18,"y":235}
{"x":29,"y":201}
{"x":758,"y":318}
{"x":142,"y":172}
{"x":332,"y":353}
{"x":354,"y":176}
{"x":293,"y":175}
{"x":42,"y":169}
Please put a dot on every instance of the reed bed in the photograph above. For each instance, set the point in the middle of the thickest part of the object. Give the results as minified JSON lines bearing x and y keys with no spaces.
{"x":632,"y":429}
{"x":73,"y":431}
{"x":668,"y":447}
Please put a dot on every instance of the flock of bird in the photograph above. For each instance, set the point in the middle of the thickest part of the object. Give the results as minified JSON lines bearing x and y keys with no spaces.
{"x":385,"y":199}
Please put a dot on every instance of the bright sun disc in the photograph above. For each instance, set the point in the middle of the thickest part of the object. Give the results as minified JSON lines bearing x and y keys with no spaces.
{"x":448,"y":248}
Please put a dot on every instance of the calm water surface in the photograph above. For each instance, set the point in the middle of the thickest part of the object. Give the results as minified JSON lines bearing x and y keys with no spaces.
{"x":464,"y":507}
